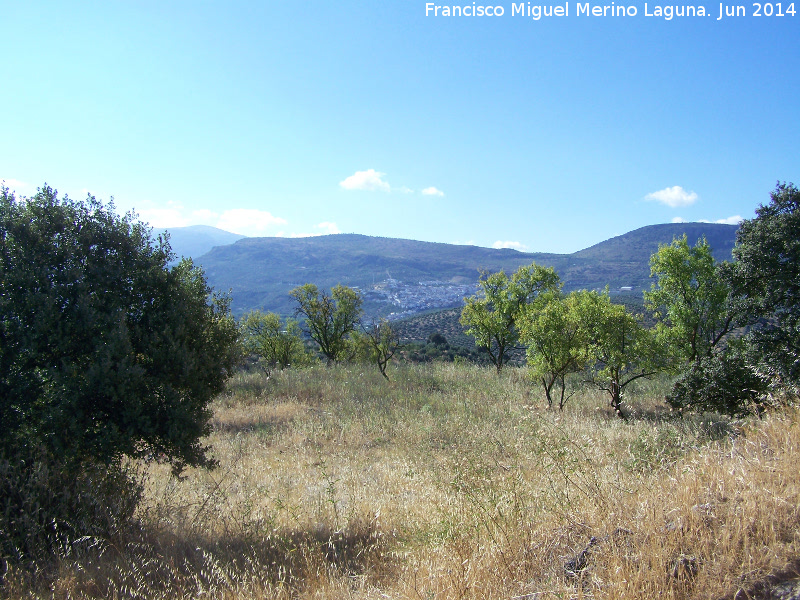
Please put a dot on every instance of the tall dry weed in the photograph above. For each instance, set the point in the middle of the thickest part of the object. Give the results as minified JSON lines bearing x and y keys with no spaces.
{"x":452,"y":482}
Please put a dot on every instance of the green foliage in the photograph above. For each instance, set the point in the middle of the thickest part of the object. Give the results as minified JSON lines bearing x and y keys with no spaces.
{"x":691,"y":297}
{"x":330,"y":318}
{"x":437,"y":338}
{"x":429,"y":352}
{"x":767,"y":273}
{"x":279,"y":344}
{"x":383,"y":343}
{"x":375,"y":344}
{"x":723,"y":382}
{"x":620,"y":350}
{"x":748,"y":374}
{"x":104,"y":350}
{"x":493,"y":318}
{"x":557,"y":341}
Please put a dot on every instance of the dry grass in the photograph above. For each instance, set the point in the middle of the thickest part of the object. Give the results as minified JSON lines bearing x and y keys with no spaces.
{"x":450,"y":482}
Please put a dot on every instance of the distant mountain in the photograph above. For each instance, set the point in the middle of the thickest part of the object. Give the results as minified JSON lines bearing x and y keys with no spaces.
{"x":624,"y":260}
{"x":645,"y":241}
{"x":195,"y":240}
{"x":406,"y":277}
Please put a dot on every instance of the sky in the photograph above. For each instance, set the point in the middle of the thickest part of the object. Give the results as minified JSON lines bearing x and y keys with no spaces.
{"x":315,"y":117}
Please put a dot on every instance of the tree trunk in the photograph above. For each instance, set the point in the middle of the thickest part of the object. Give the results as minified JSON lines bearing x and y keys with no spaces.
{"x":616,"y":398}
{"x":547,"y":389}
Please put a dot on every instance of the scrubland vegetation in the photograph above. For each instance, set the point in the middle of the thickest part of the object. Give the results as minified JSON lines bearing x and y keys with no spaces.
{"x":447,"y":482}
{"x":140,"y":459}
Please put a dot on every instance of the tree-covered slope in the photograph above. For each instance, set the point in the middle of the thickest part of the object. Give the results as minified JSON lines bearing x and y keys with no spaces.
{"x":396,"y":274}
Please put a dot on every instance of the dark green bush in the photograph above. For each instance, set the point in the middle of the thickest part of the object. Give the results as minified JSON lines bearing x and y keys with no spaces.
{"x":723,"y":383}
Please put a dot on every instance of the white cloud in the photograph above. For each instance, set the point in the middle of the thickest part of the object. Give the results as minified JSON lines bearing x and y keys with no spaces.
{"x":204,"y":215}
{"x":673,"y":196}
{"x":248,"y":221}
{"x":17,"y":186}
{"x":328,"y":228}
{"x":734,"y":220}
{"x":432,"y":191}
{"x":163,"y":218}
{"x":513,"y":245}
{"x":369,"y":180}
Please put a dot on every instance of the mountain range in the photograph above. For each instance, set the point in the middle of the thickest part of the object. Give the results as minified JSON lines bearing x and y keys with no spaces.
{"x":404,"y":277}
{"x":195,"y":240}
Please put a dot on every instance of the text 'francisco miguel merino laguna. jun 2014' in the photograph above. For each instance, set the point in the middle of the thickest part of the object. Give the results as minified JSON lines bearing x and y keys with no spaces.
{"x":586,"y":9}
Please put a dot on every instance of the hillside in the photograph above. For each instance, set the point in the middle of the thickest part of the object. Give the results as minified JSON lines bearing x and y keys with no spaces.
{"x":406,"y":277}
{"x":195,"y":240}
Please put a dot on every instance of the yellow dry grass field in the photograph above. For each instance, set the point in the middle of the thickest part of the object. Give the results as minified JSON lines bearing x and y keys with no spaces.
{"x":451,"y":482}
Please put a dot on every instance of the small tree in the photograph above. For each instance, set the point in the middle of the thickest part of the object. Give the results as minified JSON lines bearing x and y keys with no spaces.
{"x":619,"y":349}
{"x":105,"y":350}
{"x":279,"y":344}
{"x":691,"y":296}
{"x":330,"y":318}
{"x":557,"y":342}
{"x":383,"y":342}
{"x":492,"y":319}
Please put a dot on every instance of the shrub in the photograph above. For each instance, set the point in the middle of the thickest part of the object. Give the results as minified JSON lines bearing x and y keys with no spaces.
{"x":723,"y":383}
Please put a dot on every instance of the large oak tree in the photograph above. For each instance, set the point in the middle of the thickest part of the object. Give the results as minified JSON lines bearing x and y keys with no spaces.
{"x":105,"y":349}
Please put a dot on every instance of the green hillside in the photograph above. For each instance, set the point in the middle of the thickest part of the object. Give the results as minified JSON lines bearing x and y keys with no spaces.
{"x":406,"y":277}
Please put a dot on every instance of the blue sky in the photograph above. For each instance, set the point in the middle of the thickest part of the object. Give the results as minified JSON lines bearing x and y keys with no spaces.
{"x":310,"y":117}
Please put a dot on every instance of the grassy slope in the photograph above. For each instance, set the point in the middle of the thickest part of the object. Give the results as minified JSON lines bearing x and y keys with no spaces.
{"x":450,"y":482}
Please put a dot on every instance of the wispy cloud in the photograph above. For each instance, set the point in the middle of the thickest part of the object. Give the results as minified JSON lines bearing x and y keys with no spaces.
{"x":249,"y":221}
{"x":369,"y":180}
{"x":734,"y":220}
{"x":513,"y":245}
{"x":15,"y":185}
{"x":328,"y":228}
{"x":163,"y":218}
{"x":673,"y":197}
{"x":205,"y":216}
{"x":432,"y":191}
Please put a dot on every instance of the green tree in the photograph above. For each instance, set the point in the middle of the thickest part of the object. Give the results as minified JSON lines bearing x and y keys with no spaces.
{"x":105,"y":351}
{"x":691,"y":297}
{"x":330,"y":318}
{"x":557,"y":342}
{"x":619,"y":349}
{"x":492,"y":317}
{"x":383,"y":343}
{"x":765,"y":283}
{"x":279,"y":344}
{"x":767,"y":278}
